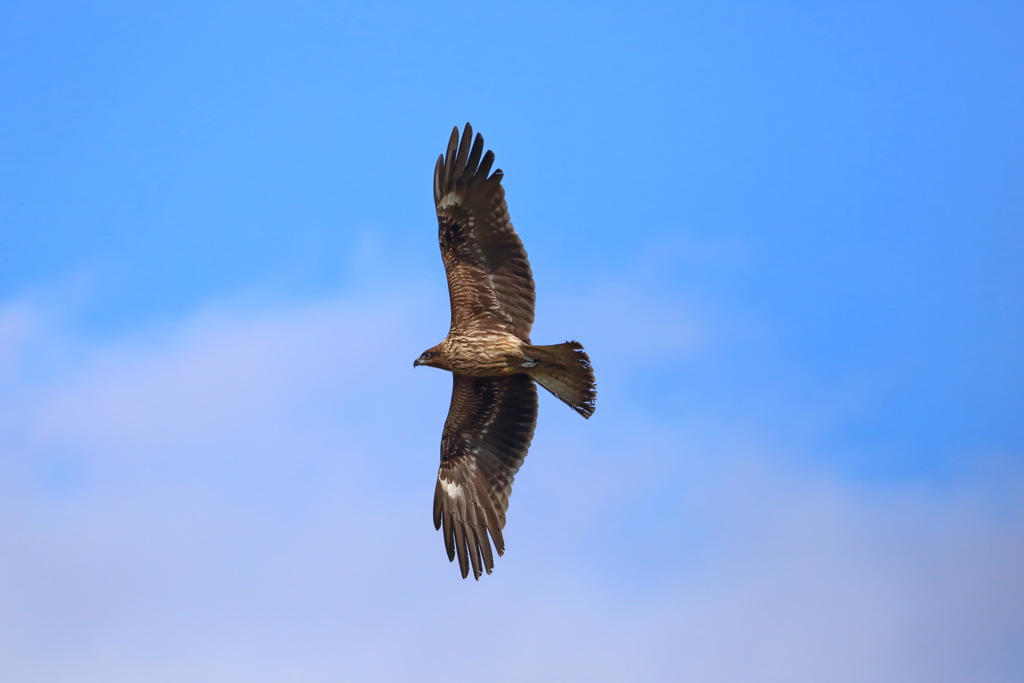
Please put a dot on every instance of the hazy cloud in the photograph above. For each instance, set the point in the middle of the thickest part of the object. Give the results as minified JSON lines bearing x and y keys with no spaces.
{"x":246,"y":495}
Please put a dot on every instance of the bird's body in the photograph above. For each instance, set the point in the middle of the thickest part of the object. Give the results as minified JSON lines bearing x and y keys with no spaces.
{"x":488,"y":350}
{"x":480,"y":353}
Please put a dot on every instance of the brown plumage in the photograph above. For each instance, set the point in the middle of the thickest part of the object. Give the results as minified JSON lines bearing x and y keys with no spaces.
{"x":494,"y":400}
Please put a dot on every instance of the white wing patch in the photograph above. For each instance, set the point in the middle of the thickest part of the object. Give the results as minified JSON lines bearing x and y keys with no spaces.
{"x":450,"y":199}
{"x":453,"y":489}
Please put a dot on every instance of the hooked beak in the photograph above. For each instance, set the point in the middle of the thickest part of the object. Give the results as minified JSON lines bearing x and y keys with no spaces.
{"x":417,"y":362}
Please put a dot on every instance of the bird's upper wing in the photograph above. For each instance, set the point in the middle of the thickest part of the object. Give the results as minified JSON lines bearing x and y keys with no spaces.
{"x":488,"y":431}
{"x":489,"y":279}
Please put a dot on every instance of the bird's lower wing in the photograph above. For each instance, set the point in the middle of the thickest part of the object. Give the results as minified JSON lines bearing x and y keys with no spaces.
{"x":486,"y":436}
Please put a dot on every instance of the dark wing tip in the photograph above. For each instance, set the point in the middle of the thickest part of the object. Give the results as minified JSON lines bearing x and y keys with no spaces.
{"x":485,"y":166}
{"x":469,"y":528}
{"x":439,"y":178}
{"x":464,"y":161}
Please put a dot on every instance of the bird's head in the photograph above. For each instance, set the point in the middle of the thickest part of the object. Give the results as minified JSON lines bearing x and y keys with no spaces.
{"x":428,"y":357}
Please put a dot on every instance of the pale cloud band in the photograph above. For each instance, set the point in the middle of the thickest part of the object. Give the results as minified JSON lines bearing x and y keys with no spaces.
{"x":246,"y":495}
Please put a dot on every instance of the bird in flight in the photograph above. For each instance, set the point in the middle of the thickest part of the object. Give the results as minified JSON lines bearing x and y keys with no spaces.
{"x":488,"y":350}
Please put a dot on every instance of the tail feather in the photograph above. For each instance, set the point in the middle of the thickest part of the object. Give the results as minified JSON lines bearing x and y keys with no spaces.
{"x":564,"y":370}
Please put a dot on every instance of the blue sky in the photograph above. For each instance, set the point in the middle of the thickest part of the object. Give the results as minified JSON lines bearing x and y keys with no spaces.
{"x":788,"y":234}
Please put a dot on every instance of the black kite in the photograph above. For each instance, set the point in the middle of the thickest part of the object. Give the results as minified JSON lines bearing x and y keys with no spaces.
{"x":488,"y":351}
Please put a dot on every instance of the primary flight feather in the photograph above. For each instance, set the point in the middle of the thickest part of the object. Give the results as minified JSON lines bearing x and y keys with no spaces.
{"x":494,"y":365}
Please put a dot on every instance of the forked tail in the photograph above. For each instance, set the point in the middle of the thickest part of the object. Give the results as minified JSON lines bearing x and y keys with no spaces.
{"x":564,"y":370}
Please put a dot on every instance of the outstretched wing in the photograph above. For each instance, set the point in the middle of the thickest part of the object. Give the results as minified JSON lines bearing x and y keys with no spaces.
{"x":486,"y":436}
{"x":489,"y":279}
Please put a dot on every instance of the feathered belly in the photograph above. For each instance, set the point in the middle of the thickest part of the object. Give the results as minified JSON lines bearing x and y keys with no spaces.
{"x":484,"y":355}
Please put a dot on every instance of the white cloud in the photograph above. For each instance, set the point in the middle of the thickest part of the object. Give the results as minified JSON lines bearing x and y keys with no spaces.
{"x":250,"y":500}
